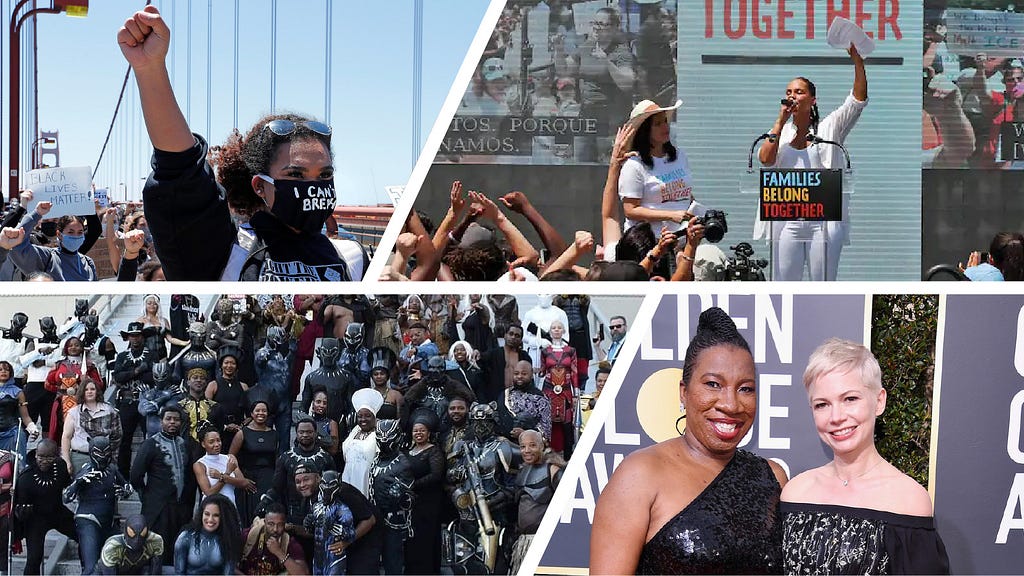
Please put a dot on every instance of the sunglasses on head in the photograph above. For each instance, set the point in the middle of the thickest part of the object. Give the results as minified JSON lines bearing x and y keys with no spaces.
{"x":283,"y":127}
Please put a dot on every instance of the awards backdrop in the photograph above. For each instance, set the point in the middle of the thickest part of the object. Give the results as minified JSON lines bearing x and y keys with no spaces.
{"x":979,"y":456}
{"x":782,"y":332}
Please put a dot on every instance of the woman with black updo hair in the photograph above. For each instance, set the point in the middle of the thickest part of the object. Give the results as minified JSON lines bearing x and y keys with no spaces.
{"x":696,"y":504}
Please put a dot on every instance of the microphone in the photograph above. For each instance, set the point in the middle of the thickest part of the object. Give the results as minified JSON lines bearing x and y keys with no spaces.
{"x":786,"y":102}
{"x":813,"y":139}
{"x":750,"y":157}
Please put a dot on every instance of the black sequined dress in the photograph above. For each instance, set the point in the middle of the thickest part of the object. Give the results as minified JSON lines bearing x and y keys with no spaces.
{"x":830,"y":539}
{"x":732,"y":527}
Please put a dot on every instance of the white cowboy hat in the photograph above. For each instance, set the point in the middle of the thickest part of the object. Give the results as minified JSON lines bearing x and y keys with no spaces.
{"x":648,"y":108}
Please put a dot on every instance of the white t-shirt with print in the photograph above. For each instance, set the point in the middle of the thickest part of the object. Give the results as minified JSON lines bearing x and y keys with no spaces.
{"x":667,"y":186}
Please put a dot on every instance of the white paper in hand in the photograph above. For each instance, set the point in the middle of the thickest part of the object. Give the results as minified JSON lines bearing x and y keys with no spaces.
{"x":842,"y":33}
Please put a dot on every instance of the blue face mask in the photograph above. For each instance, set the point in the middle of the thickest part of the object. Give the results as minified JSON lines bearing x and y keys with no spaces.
{"x":72,"y":243}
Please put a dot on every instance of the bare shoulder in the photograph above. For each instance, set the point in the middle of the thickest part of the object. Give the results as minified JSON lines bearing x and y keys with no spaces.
{"x":780,"y":473}
{"x":801,"y":488}
{"x":632,"y":477}
{"x":908,"y":497}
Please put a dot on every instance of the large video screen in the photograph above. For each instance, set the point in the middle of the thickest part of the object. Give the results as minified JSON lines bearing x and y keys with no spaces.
{"x":973,"y":85}
{"x":557,"y":79}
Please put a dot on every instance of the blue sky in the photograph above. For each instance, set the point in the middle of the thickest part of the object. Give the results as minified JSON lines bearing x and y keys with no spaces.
{"x":81,"y":70}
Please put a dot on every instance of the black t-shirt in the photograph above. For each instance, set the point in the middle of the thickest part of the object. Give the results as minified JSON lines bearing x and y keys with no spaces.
{"x":296,"y":257}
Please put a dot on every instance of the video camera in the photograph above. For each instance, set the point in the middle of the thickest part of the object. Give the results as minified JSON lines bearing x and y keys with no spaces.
{"x":741,"y":267}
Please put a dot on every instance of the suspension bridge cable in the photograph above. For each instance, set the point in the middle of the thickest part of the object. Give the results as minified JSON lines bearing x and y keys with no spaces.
{"x":117,"y":107}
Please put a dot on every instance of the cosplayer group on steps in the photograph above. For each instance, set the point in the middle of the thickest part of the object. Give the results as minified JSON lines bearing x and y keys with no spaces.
{"x":392,"y":467}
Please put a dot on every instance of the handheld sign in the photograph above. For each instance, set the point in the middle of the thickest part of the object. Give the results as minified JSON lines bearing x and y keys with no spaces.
{"x":68,"y":189}
{"x":102,"y":196}
{"x":810,"y":194}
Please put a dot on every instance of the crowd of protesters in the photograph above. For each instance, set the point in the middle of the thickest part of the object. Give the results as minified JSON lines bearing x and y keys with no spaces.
{"x":259,"y":207}
{"x":477,"y":241}
{"x":299,"y":434}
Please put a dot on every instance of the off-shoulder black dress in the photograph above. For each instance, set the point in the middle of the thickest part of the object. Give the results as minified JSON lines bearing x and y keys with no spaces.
{"x":830,"y":539}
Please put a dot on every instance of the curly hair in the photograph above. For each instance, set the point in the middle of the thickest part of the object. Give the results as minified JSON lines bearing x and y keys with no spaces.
{"x":229,"y":531}
{"x":477,"y":263}
{"x":241,"y":158}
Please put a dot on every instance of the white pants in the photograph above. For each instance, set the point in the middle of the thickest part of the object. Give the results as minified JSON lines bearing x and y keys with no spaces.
{"x":796,"y":245}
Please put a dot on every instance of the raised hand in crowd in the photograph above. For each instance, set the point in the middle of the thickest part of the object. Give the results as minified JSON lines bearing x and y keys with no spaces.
{"x":517,"y":201}
{"x":582,"y":244}
{"x":144,"y":41}
{"x":11,"y":237}
{"x":133,"y":242}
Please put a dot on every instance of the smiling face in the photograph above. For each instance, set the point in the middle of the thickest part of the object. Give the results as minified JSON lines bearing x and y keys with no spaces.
{"x":307,"y":484}
{"x":420,"y":434}
{"x":320,"y":403}
{"x":211,"y":517}
{"x":844,"y":410}
{"x":721,"y":398}
{"x":260,"y":413}
{"x":228,"y":366}
{"x":197,"y":383}
{"x":74,"y":347}
{"x":366,"y":420}
{"x":457,"y":411}
{"x":531,"y":445}
{"x":459,"y":353}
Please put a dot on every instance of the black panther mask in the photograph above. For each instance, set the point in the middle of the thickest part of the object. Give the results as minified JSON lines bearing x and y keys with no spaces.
{"x":49,"y":328}
{"x":354,"y":335}
{"x":330,"y":483}
{"x":100,"y":452}
{"x":329,"y":351}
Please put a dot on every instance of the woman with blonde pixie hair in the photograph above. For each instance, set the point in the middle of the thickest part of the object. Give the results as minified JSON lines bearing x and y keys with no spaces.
{"x":857,"y":513}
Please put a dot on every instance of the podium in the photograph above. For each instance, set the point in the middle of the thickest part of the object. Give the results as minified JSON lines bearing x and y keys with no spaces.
{"x":816,"y":196}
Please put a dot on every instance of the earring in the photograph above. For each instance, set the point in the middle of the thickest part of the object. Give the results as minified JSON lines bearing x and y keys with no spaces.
{"x":678,"y":420}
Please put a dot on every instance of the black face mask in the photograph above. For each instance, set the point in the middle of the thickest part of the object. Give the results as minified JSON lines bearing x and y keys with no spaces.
{"x":304,"y":204}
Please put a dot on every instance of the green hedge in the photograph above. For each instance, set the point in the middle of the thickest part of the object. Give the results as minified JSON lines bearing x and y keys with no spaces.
{"x":903,"y":339}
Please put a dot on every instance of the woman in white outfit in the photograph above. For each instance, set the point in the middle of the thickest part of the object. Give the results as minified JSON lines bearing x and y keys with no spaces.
{"x":796,"y":244}
{"x":655,"y":184}
{"x":360,"y":447}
